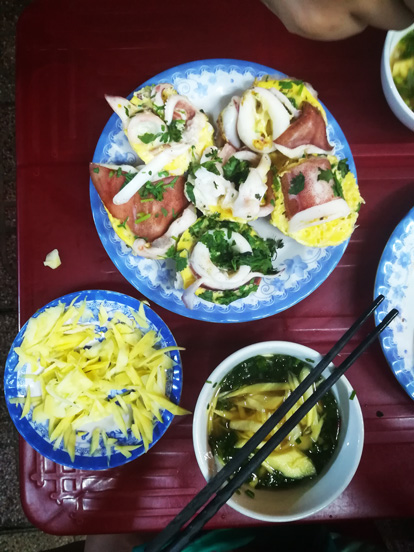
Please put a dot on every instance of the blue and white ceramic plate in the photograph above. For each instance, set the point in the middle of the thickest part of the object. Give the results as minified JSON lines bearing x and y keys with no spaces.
{"x":210,"y":84}
{"x":395,"y":280}
{"x":37,"y":434}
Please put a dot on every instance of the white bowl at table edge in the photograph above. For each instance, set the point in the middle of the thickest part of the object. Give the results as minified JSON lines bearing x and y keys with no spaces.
{"x":395,"y":101}
{"x":297,"y":502}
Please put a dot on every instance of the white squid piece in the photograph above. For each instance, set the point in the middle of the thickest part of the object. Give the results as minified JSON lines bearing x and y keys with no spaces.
{"x":251,"y":191}
{"x":144,"y":123}
{"x":227,"y":122}
{"x":214,"y":277}
{"x":179,"y":106}
{"x":159,"y":92}
{"x":211,"y":190}
{"x":123,"y":108}
{"x":337,"y":208}
{"x":262,"y":119}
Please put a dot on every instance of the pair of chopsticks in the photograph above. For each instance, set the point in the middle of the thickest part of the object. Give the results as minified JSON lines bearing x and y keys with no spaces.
{"x":235,"y":472}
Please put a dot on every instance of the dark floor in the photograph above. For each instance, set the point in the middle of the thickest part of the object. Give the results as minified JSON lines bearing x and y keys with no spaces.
{"x":16,"y":533}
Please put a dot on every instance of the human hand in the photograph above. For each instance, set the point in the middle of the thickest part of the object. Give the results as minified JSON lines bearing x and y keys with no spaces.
{"x":338,"y":19}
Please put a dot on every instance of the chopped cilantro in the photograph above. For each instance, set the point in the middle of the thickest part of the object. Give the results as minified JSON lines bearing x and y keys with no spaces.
{"x":359,"y":207}
{"x":309,"y":360}
{"x":128,"y":178}
{"x":170,"y":133}
{"x":325,"y":174}
{"x":164,"y":211}
{"x":214,"y":156}
{"x":163,"y":174}
{"x":275,"y":179}
{"x":249,"y":493}
{"x":123,"y":224}
{"x":337,"y":187}
{"x":148,"y":137}
{"x":297,"y":184}
{"x":174,"y":214}
{"x":174,"y":131}
{"x":236,"y":171}
{"x":189,"y":190}
{"x":126,"y":111}
{"x":119,"y":172}
{"x":343,"y":167}
{"x":224,"y":255}
{"x":155,"y":189}
{"x":111,"y":174}
{"x":179,"y":257}
{"x":96,"y":170}
{"x":210,"y":164}
{"x":272,"y":202}
{"x":285,"y":84}
{"x":293,"y":102}
{"x":352,"y":396}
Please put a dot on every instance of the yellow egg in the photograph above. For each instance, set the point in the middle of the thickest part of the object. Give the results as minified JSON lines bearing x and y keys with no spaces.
{"x":328,"y":233}
{"x":147,"y":152}
{"x":298,"y":91}
{"x":184,"y":245}
{"x":121,"y":229}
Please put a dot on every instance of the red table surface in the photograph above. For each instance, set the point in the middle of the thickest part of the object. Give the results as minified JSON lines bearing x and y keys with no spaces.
{"x":69,"y":54}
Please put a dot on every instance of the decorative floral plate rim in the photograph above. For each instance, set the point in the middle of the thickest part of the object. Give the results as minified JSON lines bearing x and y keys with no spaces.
{"x":303,"y":272}
{"x":395,"y":280}
{"x":32,"y":431}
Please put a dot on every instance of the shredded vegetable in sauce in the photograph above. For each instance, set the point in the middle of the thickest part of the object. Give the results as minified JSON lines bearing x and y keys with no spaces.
{"x":402,"y":68}
{"x":248,"y":396}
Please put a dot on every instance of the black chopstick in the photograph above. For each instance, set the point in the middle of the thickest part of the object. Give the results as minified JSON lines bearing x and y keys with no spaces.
{"x":240,"y":477}
{"x":172,"y":531}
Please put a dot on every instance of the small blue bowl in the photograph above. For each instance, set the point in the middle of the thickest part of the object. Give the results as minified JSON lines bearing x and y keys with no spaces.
{"x":37,"y":433}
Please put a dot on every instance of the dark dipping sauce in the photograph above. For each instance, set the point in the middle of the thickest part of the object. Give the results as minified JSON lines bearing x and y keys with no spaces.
{"x":271,"y":369}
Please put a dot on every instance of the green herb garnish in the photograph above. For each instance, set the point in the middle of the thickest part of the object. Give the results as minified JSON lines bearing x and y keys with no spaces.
{"x":142,"y":217}
{"x":179,"y":257}
{"x":325,"y":174}
{"x":148,"y":137}
{"x":236,"y":171}
{"x":297,"y":184}
{"x":189,"y":190}
{"x":123,"y":224}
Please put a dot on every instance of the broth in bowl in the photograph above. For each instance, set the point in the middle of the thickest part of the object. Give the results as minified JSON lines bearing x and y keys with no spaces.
{"x":402,"y":68}
{"x":291,"y":500}
{"x":248,"y":395}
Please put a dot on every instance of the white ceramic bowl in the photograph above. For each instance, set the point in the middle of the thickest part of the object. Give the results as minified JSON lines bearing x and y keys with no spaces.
{"x":396,"y":103}
{"x":282,"y":505}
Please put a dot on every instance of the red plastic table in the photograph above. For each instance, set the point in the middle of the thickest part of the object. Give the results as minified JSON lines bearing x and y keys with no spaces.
{"x":68,"y":55}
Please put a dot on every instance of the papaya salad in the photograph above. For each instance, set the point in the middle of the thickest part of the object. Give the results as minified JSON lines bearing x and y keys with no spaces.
{"x":199,"y":188}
